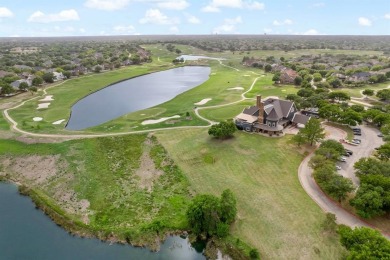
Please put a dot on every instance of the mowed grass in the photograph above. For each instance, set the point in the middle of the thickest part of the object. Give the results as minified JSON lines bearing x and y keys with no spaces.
{"x":356,"y":92}
{"x":275,"y":215}
{"x":266,"y":87}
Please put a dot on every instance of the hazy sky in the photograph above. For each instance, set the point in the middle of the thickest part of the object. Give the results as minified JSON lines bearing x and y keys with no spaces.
{"x":118,"y":17}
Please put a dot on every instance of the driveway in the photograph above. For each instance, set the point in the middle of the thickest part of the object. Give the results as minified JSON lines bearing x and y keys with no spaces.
{"x":312,"y":189}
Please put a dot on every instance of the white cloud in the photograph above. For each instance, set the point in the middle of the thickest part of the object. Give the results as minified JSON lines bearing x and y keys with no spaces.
{"x":5,"y":12}
{"x":82,"y":30}
{"x":311,"y":32}
{"x":174,"y":5}
{"x":174,"y":29}
{"x":120,"y":29}
{"x":254,"y":5}
{"x":107,"y":5}
{"x":387,"y":16}
{"x":285,"y":22}
{"x":154,"y":16}
{"x":65,"y":15}
{"x":363,"y":21}
{"x":192,"y":19}
{"x":267,"y":30}
{"x":228,"y":26}
{"x":215,"y":5}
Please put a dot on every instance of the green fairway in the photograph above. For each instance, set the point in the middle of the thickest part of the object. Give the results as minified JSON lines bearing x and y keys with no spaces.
{"x":275,"y":214}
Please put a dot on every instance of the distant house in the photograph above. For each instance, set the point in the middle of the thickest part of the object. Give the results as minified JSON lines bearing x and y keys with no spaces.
{"x":58,"y":76}
{"x":288,"y":76}
{"x":15,"y":85}
{"x":271,"y":116}
{"x":359,"y":77}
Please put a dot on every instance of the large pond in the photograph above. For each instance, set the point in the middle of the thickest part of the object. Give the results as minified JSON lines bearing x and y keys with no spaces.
{"x":134,"y":94}
{"x":27,"y":233}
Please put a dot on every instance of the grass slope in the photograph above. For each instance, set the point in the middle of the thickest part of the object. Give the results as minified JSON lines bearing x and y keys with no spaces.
{"x":275,"y":214}
{"x":103,"y":172}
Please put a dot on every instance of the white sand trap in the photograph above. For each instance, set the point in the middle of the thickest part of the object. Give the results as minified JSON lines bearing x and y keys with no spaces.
{"x":283,"y":90}
{"x":247,"y":75}
{"x":155,"y":121}
{"x":43,"y":105}
{"x":203,"y":101}
{"x":58,"y":122}
{"x":213,"y":74}
{"x":236,"y":88}
{"x":37,"y":119}
{"x":47,"y":98}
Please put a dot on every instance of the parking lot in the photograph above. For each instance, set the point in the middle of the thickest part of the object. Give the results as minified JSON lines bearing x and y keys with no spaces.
{"x":369,"y":141}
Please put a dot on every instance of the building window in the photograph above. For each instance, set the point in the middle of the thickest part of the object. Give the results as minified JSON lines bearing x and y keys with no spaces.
{"x":273,"y":124}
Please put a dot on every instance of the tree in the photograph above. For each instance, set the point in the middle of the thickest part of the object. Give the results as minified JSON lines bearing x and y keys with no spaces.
{"x":48,"y":77}
{"x":305,"y":92}
{"x":339,"y":187}
{"x":364,"y":243}
{"x":37,"y":81}
{"x":368,"y":92}
{"x":313,"y":131}
{"x":223,"y":129}
{"x":228,"y":206}
{"x":6,"y":89}
{"x":203,"y":214}
{"x":298,"y":80}
{"x":276,"y":77}
{"x":381,"y":119}
{"x":331,"y":112}
{"x":383,"y":152}
{"x":210,"y":215}
{"x":368,"y":201}
{"x":298,"y":139}
{"x":97,"y":69}
{"x":23,"y":86}
{"x":351,"y":117}
{"x":339,"y":95}
{"x":267,"y":68}
{"x":383,"y":94}
{"x":331,"y":149}
{"x":334,"y":82}
{"x":317,"y":77}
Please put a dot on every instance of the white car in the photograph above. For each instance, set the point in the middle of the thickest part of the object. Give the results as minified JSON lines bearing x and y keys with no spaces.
{"x":356,"y":141}
{"x":338,"y":167}
{"x":342,"y":159}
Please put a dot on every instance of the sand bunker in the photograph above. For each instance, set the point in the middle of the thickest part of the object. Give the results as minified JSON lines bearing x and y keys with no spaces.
{"x":37,"y":119}
{"x":213,"y":74}
{"x":47,"y":98}
{"x":155,"y":121}
{"x":43,"y":105}
{"x":236,"y":88}
{"x":58,"y":122}
{"x":247,"y":75}
{"x":203,"y":101}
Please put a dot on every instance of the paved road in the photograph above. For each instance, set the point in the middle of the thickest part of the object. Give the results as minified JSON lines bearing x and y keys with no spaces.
{"x":312,"y":189}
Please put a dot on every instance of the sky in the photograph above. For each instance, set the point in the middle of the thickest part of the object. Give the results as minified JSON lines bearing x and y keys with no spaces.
{"x":42,"y":18}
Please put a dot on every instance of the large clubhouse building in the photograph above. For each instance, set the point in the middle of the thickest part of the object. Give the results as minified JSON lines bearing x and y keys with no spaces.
{"x":270,"y":116}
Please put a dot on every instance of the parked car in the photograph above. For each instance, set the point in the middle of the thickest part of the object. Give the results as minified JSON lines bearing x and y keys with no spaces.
{"x":356,"y":140}
{"x":348,"y":151}
{"x":342,"y":159}
{"x":380,"y":135}
{"x":338,"y":167}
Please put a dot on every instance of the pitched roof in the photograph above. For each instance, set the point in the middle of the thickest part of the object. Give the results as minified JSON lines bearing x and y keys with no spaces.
{"x":300,"y":119}
{"x":250,"y":119}
{"x":282,"y":107}
{"x":273,"y":115}
{"x":251,"y":110}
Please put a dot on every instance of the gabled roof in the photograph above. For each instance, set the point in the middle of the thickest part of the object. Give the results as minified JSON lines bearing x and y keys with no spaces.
{"x":273,"y":116}
{"x":300,"y":119}
{"x":282,"y":107}
{"x":251,"y":110}
{"x":250,"y":119}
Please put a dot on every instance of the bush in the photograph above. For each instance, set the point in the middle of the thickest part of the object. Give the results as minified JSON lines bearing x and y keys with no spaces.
{"x":254,"y":254}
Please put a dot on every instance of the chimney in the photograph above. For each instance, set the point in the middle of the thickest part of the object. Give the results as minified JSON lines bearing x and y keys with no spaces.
{"x":260,"y":106}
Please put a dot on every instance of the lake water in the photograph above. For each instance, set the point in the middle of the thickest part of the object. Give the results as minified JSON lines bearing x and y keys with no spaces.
{"x":27,"y":233}
{"x":134,"y":94}
{"x":196,"y":57}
